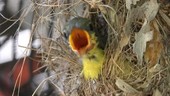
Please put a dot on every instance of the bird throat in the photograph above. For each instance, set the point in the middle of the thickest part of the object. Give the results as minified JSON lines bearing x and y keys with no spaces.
{"x":79,"y":40}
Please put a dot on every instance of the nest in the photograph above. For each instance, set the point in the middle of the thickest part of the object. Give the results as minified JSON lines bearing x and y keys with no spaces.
{"x":133,"y":66}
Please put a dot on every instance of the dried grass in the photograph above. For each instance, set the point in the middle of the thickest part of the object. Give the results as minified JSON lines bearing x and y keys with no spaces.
{"x":120,"y":63}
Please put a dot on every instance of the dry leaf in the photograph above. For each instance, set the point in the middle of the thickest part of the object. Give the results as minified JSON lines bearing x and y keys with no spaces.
{"x":123,"y":42}
{"x":130,"y":2}
{"x":125,"y":87}
{"x":157,"y":93}
{"x":151,"y":7}
{"x":154,"y":47}
{"x":142,"y":37}
{"x":153,"y":52}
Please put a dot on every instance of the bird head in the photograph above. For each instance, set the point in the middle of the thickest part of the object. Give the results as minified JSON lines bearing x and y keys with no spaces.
{"x":80,"y":41}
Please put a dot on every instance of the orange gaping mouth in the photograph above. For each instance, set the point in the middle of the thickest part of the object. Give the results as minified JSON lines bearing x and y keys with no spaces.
{"x":79,"y":40}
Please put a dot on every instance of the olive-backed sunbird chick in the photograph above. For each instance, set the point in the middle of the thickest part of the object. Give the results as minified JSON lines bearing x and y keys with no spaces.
{"x":85,"y":44}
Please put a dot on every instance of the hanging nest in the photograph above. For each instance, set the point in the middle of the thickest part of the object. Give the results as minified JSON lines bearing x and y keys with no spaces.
{"x":136,"y":54}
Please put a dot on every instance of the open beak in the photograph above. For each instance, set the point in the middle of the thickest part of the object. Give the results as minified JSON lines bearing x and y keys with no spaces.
{"x":79,"y":40}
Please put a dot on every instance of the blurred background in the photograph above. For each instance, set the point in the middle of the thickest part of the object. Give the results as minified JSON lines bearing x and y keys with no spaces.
{"x":24,"y":25}
{"x":18,"y":63}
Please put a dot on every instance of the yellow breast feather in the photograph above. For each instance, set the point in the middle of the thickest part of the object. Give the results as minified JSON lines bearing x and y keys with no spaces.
{"x":92,"y":63}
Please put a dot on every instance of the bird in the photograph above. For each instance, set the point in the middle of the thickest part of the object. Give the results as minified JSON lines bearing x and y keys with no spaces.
{"x":85,"y":43}
{"x":93,"y":62}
